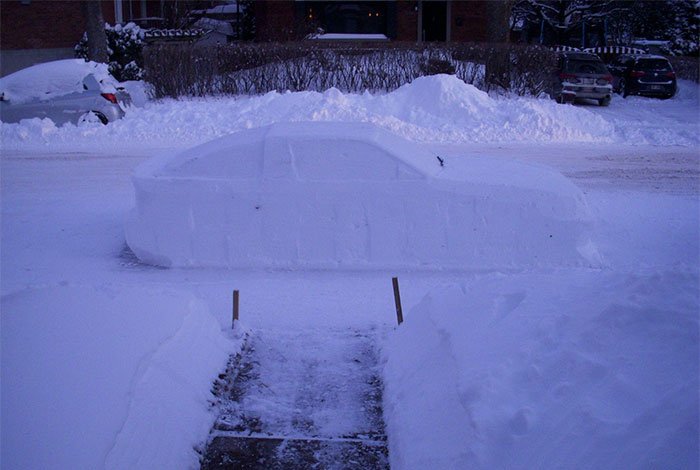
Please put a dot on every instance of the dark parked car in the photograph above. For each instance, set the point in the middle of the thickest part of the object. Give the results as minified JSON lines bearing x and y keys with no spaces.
{"x":580,"y":75}
{"x":649,"y":75}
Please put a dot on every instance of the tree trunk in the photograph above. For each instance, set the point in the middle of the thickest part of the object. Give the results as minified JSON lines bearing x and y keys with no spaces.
{"x":498,"y":17}
{"x":498,"y":33}
{"x":95,"y":27}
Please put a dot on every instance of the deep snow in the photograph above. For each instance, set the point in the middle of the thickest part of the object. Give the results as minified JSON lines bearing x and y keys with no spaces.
{"x":584,"y":370}
{"x":94,"y":376}
{"x":431,"y":109}
{"x":547,"y":366}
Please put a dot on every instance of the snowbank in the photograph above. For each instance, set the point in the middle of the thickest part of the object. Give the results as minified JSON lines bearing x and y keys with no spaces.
{"x":107,"y":377}
{"x":438,"y":108}
{"x":351,"y":195}
{"x":568,"y":371}
{"x":51,"y":79}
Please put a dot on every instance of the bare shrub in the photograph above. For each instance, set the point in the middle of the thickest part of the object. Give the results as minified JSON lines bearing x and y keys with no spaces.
{"x":249,"y":68}
{"x":686,"y":68}
{"x":437,"y":66}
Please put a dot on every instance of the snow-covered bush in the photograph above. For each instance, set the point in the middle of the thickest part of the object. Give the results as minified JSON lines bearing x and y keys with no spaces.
{"x":125,"y":44}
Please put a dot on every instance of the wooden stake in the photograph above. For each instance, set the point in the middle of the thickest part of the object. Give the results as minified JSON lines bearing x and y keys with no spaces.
{"x":235,"y":308}
{"x":397,"y":299}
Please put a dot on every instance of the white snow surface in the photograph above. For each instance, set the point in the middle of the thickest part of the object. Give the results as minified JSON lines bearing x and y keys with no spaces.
{"x":584,"y":371}
{"x":51,"y":79}
{"x":352,"y":195}
{"x":108,"y":363}
{"x":438,"y":108}
{"x":102,"y":376}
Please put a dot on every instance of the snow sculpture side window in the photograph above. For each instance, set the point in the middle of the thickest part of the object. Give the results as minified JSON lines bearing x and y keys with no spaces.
{"x":347,"y":161}
{"x":244,"y":164}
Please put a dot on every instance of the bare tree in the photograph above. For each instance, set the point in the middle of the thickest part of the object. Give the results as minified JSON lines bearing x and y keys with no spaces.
{"x":95,"y":27}
{"x":564,"y":16}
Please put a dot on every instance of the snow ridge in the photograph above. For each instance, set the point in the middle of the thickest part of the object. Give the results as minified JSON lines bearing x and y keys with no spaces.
{"x":438,"y":108}
{"x":168,"y":398}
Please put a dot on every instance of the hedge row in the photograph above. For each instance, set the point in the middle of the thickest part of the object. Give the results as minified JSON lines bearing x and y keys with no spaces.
{"x":251,"y":68}
{"x":687,"y":68}
{"x":248,"y":68}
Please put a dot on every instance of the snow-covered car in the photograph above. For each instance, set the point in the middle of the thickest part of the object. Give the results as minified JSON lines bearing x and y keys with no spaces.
{"x":341,"y":194}
{"x":648,"y":75}
{"x":580,"y":75}
{"x":64,"y":91}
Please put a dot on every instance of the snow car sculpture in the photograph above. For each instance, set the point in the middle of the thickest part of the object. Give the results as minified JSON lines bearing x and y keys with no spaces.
{"x":327,"y":194}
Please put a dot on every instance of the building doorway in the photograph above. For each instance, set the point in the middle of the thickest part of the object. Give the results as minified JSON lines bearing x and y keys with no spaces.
{"x":434,"y":21}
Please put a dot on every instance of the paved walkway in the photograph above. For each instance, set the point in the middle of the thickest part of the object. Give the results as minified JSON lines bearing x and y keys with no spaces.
{"x":298,"y":400}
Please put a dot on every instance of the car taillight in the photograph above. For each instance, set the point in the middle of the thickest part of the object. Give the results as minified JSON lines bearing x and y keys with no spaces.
{"x":111,"y":97}
{"x":671,"y":74}
{"x":569,"y":77}
{"x":606,"y":80}
{"x":637,"y":73}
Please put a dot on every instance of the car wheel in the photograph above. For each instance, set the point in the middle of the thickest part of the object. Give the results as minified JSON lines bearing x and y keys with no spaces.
{"x":94,"y":116}
{"x":623,"y":88}
{"x":604,"y":101}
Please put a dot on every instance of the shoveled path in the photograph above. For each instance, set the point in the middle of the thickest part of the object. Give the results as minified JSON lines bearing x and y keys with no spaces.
{"x":299,"y":400}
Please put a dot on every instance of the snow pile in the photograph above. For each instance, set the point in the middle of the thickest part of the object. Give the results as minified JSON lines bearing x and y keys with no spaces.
{"x":573,"y":370}
{"x":352,"y":195}
{"x":438,"y":108}
{"x":52,"y":79}
{"x":462,"y":113}
{"x":118,"y":378}
{"x":138,"y":92}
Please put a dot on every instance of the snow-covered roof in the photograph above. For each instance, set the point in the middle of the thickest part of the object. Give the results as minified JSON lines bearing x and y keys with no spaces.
{"x":51,"y":79}
{"x":648,"y":56}
{"x":230,"y":8}
{"x":226,"y":9}
{"x":211,"y":24}
{"x":650,"y":42}
{"x":348,"y":37}
{"x":173,"y":33}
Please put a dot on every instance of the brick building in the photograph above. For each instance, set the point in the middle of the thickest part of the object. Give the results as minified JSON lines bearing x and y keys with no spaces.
{"x":428,"y":20}
{"x":33,"y":31}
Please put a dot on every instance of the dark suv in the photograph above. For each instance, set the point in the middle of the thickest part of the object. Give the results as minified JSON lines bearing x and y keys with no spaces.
{"x":649,"y":75}
{"x":580,"y":75}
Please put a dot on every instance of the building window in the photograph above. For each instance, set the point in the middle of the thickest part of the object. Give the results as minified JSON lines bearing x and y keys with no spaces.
{"x":349,"y":17}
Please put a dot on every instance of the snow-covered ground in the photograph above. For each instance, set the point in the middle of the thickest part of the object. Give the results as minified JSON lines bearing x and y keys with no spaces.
{"x":431,"y":109}
{"x":108,"y":363}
